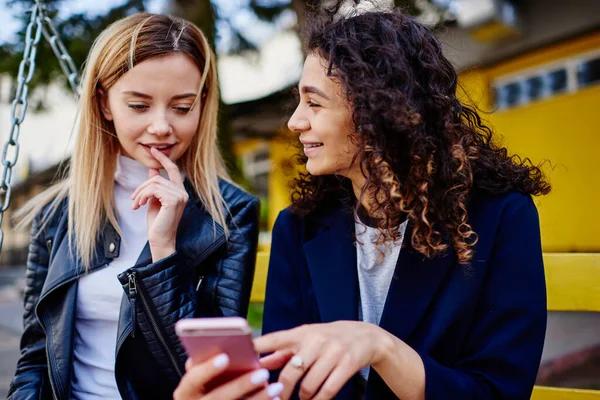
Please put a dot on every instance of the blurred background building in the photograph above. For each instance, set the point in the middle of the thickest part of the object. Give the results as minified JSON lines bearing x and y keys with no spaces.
{"x":531,"y":66}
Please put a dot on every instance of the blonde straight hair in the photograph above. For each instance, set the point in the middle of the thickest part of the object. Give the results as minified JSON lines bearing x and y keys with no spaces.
{"x":89,"y":181}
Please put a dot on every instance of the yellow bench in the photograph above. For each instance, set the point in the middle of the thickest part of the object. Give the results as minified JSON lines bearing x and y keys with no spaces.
{"x":260,"y":277}
{"x":572,"y":282}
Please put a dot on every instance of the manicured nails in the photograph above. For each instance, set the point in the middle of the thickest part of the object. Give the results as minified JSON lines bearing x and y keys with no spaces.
{"x":221,"y":361}
{"x":259,"y":376}
{"x":274,"y":389}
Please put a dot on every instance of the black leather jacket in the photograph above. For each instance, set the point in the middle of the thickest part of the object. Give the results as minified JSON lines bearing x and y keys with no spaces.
{"x":207,"y":276}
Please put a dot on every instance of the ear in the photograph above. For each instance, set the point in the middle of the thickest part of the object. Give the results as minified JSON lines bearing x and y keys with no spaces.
{"x":103,"y":99}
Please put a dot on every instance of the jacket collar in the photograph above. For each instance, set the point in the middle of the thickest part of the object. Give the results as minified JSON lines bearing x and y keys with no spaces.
{"x":197,"y":236}
{"x":331,"y":258}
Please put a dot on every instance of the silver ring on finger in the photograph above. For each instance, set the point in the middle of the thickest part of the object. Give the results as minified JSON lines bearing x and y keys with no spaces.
{"x":297,"y":362}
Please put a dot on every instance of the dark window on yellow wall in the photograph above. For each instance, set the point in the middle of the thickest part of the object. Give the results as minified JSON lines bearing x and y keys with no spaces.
{"x":508,"y":95}
{"x":256,"y":165}
{"x":512,"y":93}
{"x":498,"y":101}
{"x":262,"y":155}
{"x":534,"y":88}
{"x":557,"y":81}
{"x":496,"y":94}
{"x":588,"y":72}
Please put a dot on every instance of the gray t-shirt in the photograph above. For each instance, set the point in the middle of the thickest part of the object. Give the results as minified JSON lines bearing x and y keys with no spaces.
{"x":376,"y":266}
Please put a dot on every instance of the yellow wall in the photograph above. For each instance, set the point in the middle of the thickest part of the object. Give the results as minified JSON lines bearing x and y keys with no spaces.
{"x":243,"y":146}
{"x":565,"y":130}
{"x":281,"y":152}
{"x":279,"y":191}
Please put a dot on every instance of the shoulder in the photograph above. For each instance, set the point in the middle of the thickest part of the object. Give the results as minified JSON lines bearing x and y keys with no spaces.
{"x":291,"y":222}
{"x":505,"y":221}
{"x":287,"y":218}
{"x":46,"y":220}
{"x":52,"y":212}
{"x":235,"y":197}
{"x":498,"y":207}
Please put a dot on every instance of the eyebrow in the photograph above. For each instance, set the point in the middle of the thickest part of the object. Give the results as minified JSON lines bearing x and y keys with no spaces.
{"x":312,"y":89}
{"x":147,"y":96}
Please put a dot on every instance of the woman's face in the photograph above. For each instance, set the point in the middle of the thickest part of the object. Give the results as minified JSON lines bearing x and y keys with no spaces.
{"x":151,"y":106}
{"x":323,"y":119}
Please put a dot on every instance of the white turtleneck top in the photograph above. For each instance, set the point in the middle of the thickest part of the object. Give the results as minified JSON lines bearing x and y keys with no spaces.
{"x":99,"y":294}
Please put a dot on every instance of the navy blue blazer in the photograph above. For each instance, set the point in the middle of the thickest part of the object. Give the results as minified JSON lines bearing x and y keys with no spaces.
{"x":479,"y":330}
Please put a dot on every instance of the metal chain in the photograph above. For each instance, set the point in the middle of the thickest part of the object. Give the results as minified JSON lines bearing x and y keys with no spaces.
{"x":64,"y":59}
{"x":10,"y":152}
{"x":38,"y":24}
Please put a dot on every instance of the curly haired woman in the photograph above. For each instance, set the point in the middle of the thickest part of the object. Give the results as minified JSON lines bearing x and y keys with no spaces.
{"x":409,"y":264}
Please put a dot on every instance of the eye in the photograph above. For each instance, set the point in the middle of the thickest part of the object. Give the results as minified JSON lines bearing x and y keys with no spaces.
{"x":312,"y":104}
{"x":137,"y":107}
{"x":183,"y":110}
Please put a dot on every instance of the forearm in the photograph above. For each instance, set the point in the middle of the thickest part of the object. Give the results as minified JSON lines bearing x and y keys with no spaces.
{"x":400,"y":367}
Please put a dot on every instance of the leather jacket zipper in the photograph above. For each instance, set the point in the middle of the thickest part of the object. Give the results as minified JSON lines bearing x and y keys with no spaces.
{"x":136,"y":290}
{"x":50,"y":378}
{"x":54,"y":395}
{"x":132,"y":297}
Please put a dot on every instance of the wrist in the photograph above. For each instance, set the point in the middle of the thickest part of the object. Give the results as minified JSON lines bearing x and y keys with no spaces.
{"x":385,"y":346}
{"x":161,"y":251}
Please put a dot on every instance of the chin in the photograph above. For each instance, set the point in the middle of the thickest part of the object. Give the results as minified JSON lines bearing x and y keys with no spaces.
{"x":317,"y":170}
{"x":312,"y":170}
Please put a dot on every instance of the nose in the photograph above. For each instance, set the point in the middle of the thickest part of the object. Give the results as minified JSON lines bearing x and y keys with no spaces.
{"x":160,"y":125}
{"x":298,"y":123}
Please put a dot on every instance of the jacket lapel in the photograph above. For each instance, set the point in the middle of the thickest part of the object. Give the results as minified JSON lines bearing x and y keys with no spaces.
{"x":414,"y":284}
{"x":197,"y":235}
{"x":331,"y":258}
{"x":64,"y":266}
{"x":196,"y":239}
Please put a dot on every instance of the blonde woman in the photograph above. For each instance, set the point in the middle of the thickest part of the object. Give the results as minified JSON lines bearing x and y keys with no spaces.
{"x":146,"y":228}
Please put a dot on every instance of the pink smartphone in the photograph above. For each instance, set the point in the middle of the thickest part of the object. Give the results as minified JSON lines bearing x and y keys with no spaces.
{"x":204,"y":338}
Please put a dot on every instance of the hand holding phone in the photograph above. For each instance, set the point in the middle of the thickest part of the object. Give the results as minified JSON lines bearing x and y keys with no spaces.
{"x":204,"y":338}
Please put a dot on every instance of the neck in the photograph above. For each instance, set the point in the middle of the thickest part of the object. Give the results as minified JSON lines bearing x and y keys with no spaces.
{"x":359,"y":182}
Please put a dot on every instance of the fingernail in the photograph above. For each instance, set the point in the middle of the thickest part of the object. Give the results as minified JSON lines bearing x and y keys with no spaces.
{"x":277,"y":398}
{"x":259,"y":376}
{"x":274,"y":389}
{"x":221,"y":361}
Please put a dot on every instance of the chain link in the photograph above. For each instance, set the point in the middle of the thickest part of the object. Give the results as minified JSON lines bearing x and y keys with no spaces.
{"x":64,"y":59}
{"x":38,"y":24}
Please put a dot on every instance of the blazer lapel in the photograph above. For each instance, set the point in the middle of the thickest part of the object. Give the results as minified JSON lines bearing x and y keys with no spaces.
{"x":414,"y":284}
{"x":331,"y":258}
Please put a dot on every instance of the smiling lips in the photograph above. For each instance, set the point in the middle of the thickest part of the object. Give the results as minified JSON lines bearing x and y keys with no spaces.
{"x":311,"y":147}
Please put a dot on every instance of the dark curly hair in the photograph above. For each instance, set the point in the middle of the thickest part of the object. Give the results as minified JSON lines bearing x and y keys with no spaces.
{"x":421,"y":150}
